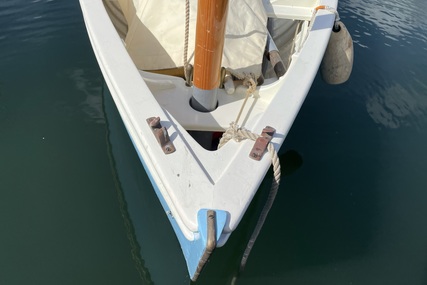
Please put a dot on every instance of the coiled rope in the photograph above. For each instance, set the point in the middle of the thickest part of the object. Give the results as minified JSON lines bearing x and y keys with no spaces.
{"x":238,"y":134}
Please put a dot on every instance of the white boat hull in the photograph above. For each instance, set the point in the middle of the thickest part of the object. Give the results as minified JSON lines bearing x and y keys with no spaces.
{"x":192,"y":180}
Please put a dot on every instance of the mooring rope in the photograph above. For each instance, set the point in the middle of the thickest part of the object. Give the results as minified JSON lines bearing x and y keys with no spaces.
{"x":267,"y":206}
{"x":239,"y":134}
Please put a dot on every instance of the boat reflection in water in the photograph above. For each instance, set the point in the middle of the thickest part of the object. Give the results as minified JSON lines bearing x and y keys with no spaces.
{"x":149,"y":233}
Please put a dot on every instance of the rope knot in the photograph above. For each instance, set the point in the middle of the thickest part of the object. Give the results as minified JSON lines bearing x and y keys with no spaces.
{"x":249,"y":80}
{"x":234,"y":132}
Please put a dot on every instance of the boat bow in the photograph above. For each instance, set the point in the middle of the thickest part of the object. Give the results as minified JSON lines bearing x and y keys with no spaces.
{"x":191,"y":181}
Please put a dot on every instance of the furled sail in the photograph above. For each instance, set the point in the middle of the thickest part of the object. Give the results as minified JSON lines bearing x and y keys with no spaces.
{"x":156,"y":29}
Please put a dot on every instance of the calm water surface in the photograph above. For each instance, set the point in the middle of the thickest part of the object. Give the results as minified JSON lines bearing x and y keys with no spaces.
{"x":77,"y":208}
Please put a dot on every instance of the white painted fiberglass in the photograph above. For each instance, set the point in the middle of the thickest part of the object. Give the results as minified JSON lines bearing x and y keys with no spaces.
{"x":193,"y":178}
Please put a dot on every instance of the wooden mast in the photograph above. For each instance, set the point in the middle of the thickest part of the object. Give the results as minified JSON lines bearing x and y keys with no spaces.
{"x":210,"y":32}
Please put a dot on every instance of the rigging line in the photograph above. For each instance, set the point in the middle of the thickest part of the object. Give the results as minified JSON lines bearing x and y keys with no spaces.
{"x":249,"y":81}
{"x":187,"y":32}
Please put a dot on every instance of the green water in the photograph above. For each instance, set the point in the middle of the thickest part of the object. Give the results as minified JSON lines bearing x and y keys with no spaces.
{"x":351,"y":209}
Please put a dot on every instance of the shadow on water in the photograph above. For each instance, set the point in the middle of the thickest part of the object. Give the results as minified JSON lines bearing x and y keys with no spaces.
{"x":331,"y":203}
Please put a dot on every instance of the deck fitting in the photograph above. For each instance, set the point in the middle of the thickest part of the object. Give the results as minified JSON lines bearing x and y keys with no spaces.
{"x":161,"y":135}
{"x":261,"y":143}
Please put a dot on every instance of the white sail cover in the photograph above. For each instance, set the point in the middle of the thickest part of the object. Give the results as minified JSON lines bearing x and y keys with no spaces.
{"x":156,"y":30}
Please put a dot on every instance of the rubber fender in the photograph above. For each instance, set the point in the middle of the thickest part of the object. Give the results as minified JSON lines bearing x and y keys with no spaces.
{"x":337,"y":61}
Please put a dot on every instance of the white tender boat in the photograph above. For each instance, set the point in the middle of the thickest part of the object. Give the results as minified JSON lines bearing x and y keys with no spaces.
{"x":184,"y":73}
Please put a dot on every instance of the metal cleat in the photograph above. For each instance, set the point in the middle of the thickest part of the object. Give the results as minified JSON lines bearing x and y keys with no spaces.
{"x":161,"y":135}
{"x":261,"y":143}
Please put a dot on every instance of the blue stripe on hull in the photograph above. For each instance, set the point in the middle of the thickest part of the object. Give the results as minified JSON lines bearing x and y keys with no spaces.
{"x":192,"y":250}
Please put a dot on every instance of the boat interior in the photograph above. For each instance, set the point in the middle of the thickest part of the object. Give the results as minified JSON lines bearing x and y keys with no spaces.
{"x":258,"y":50}
{"x":284,"y":35}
